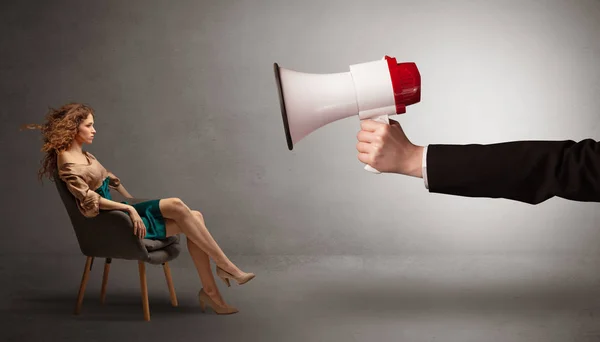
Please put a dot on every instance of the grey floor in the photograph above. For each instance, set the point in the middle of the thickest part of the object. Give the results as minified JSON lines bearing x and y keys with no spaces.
{"x":318,"y":298}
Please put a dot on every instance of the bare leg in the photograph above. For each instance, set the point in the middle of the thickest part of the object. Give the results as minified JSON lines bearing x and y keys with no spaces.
{"x":202,"y":263}
{"x":231,"y":268}
{"x":192,"y":225}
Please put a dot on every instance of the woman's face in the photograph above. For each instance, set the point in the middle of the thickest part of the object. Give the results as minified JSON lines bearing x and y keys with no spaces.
{"x":86,"y":131}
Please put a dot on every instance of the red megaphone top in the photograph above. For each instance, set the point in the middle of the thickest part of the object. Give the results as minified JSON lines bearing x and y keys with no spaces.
{"x":406,"y":82}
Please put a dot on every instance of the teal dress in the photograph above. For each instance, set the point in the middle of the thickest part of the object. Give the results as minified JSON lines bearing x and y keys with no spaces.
{"x":149,"y":211}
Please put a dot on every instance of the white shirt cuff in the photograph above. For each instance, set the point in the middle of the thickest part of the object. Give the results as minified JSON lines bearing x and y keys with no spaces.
{"x":424,"y":167}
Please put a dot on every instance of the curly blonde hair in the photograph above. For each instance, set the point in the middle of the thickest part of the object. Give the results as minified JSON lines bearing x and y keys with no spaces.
{"x":58,"y":132}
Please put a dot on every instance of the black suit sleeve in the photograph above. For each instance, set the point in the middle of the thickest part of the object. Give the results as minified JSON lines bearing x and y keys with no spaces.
{"x":526,"y":171}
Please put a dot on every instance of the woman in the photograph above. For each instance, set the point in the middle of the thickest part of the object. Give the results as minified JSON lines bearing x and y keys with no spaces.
{"x":65,"y":132}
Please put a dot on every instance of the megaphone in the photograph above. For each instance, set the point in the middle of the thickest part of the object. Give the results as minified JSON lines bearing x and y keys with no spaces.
{"x":372,"y":90}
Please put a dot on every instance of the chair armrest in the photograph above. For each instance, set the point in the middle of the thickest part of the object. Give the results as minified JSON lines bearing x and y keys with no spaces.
{"x":110,"y":235}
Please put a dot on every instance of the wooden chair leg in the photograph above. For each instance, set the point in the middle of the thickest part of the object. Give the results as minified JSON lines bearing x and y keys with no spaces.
{"x":105,"y":280}
{"x":144,"y":286}
{"x":167,"y":270}
{"x":84,"y":279}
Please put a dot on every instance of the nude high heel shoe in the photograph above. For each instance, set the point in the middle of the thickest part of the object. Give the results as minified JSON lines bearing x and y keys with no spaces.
{"x":219,"y":310}
{"x":225,"y":276}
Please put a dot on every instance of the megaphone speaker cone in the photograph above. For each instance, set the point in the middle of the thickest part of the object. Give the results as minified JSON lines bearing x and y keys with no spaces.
{"x":286,"y":124}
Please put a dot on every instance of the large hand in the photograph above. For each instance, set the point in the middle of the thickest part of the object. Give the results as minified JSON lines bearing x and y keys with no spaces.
{"x":387,"y":149}
{"x":139,"y":228}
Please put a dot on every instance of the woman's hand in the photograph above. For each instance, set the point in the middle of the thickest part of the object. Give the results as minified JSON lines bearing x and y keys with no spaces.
{"x":139,"y":228}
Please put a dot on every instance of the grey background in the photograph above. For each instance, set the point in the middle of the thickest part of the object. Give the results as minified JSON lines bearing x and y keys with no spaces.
{"x":187,"y":107}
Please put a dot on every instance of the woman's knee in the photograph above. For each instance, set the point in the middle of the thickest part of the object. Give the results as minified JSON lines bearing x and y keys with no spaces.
{"x":197,"y":214}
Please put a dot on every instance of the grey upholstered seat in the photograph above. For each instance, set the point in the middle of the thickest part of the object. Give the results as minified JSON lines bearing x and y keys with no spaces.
{"x":110,"y":235}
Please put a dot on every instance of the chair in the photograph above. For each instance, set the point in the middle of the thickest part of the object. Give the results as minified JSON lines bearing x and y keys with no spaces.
{"x":110,"y":235}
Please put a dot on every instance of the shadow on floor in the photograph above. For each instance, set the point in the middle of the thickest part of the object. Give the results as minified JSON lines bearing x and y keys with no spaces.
{"x":118,"y":307}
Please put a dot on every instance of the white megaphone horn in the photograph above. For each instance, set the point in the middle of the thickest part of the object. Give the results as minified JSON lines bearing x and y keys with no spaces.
{"x":372,"y":90}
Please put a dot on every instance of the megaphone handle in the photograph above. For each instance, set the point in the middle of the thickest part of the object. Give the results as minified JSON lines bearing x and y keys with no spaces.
{"x":383,"y":119}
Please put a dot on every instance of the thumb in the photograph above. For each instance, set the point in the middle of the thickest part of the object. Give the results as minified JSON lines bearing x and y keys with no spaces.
{"x":394,"y":122}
